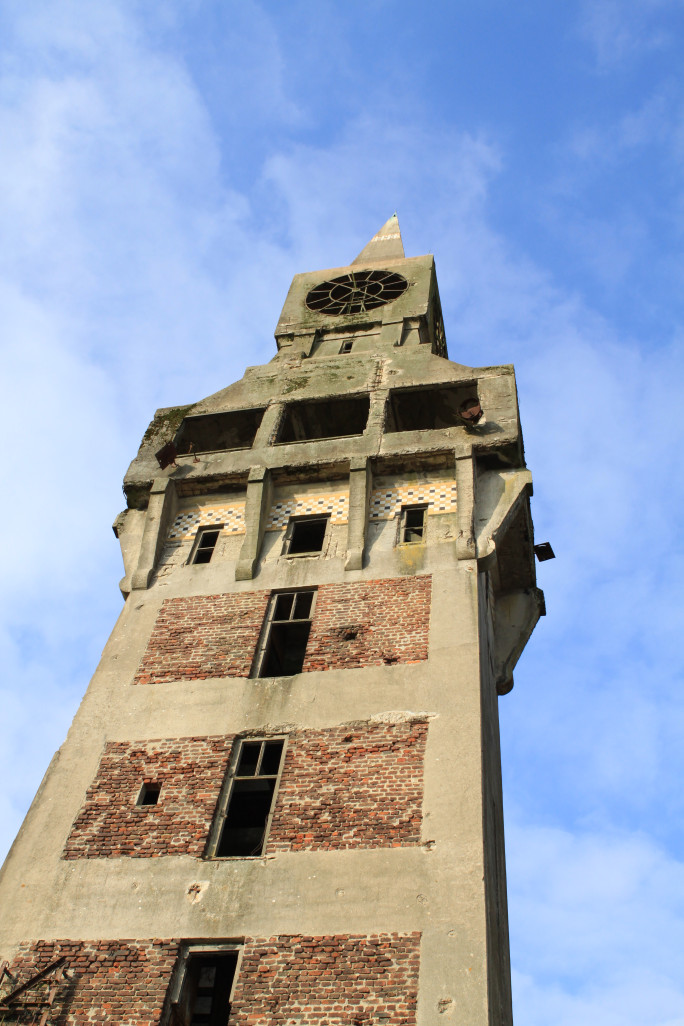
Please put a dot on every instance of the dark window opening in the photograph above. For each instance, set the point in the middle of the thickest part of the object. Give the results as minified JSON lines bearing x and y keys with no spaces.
{"x":426,"y":409}
{"x":206,"y":990}
{"x":346,"y":347}
{"x":305,"y":535}
{"x":286,"y":649}
{"x":325,"y":418}
{"x":216,"y":431}
{"x":287,"y":634}
{"x":251,"y":799}
{"x":149,"y":794}
{"x":412,"y":527}
{"x":206,"y":543}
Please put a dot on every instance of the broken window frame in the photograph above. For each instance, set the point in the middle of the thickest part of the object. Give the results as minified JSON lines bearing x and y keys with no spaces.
{"x":198,"y":547}
{"x":262,"y":655}
{"x":403,"y":527}
{"x":228,"y":790}
{"x":198,"y":950}
{"x":291,"y":530}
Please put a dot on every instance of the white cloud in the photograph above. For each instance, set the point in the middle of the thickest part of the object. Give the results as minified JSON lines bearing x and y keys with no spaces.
{"x":137,"y":272}
{"x":621,"y":30}
{"x":597,"y":928}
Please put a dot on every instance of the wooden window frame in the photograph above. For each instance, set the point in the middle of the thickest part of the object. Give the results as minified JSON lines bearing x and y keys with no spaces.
{"x":197,"y":544}
{"x":292,"y":524}
{"x":227,"y":790}
{"x":262,"y":651}
{"x":199,"y":948}
{"x":402,"y":527}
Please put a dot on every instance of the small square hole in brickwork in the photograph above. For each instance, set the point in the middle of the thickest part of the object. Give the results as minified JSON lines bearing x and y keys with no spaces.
{"x":149,"y":794}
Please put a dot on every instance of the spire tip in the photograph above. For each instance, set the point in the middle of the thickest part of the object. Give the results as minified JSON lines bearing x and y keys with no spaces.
{"x":385,"y":245}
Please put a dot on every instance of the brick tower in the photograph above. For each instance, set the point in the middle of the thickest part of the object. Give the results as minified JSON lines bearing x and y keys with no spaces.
{"x":280,"y":800}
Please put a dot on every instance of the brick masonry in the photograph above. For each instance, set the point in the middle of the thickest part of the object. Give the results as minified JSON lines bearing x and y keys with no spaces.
{"x":328,"y":981}
{"x":110,"y":824}
{"x":369,"y":623}
{"x":122,"y":983}
{"x":334,"y":980}
{"x":351,"y":787}
{"x":204,"y":636}
{"x":354,"y":786}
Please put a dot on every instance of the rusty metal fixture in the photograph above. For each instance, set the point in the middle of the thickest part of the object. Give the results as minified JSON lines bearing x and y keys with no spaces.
{"x":543,"y":551}
{"x":37,"y":994}
{"x":166,"y":457}
{"x":470,"y":410}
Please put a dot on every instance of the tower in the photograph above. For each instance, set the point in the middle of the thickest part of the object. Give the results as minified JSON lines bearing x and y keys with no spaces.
{"x":280,"y":800}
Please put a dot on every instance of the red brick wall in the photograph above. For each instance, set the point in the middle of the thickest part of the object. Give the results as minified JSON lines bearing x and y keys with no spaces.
{"x":358,"y":787}
{"x":204,"y":636}
{"x":190,"y":770}
{"x":328,"y":981}
{"x":370,"y":623}
{"x":121,"y":983}
{"x":334,"y":980}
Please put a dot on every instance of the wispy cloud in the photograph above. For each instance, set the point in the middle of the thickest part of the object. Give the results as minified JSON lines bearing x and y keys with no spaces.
{"x":139,"y":268}
{"x":621,"y":30}
{"x":611,"y":909}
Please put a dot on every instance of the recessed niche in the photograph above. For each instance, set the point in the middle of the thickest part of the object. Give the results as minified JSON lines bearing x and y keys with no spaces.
{"x":324,"y":418}
{"x":427,"y":409}
{"x":214,"y":432}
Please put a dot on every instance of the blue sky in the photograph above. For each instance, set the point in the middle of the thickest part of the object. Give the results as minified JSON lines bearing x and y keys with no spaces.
{"x":166,"y":168}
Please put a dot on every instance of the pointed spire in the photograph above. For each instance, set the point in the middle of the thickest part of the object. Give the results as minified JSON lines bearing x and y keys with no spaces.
{"x":385,"y":245}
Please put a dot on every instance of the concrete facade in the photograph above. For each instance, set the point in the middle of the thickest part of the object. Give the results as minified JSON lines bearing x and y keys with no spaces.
{"x":378,"y":894}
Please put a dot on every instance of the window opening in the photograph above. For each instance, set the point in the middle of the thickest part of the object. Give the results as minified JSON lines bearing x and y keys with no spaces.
{"x":412,"y":527}
{"x":250,"y":802}
{"x":428,"y":409}
{"x":346,"y":346}
{"x":149,"y":794}
{"x":206,"y":543}
{"x":305,"y":534}
{"x":355,"y":292}
{"x":325,"y":418}
{"x":216,"y":432}
{"x":287,"y":633}
{"x":206,"y":989}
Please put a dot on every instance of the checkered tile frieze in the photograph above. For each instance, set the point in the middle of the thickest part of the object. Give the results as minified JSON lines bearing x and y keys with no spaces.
{"x":335,"y":503}
{"x":387,"y":502}
{"x":232,"y":517}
